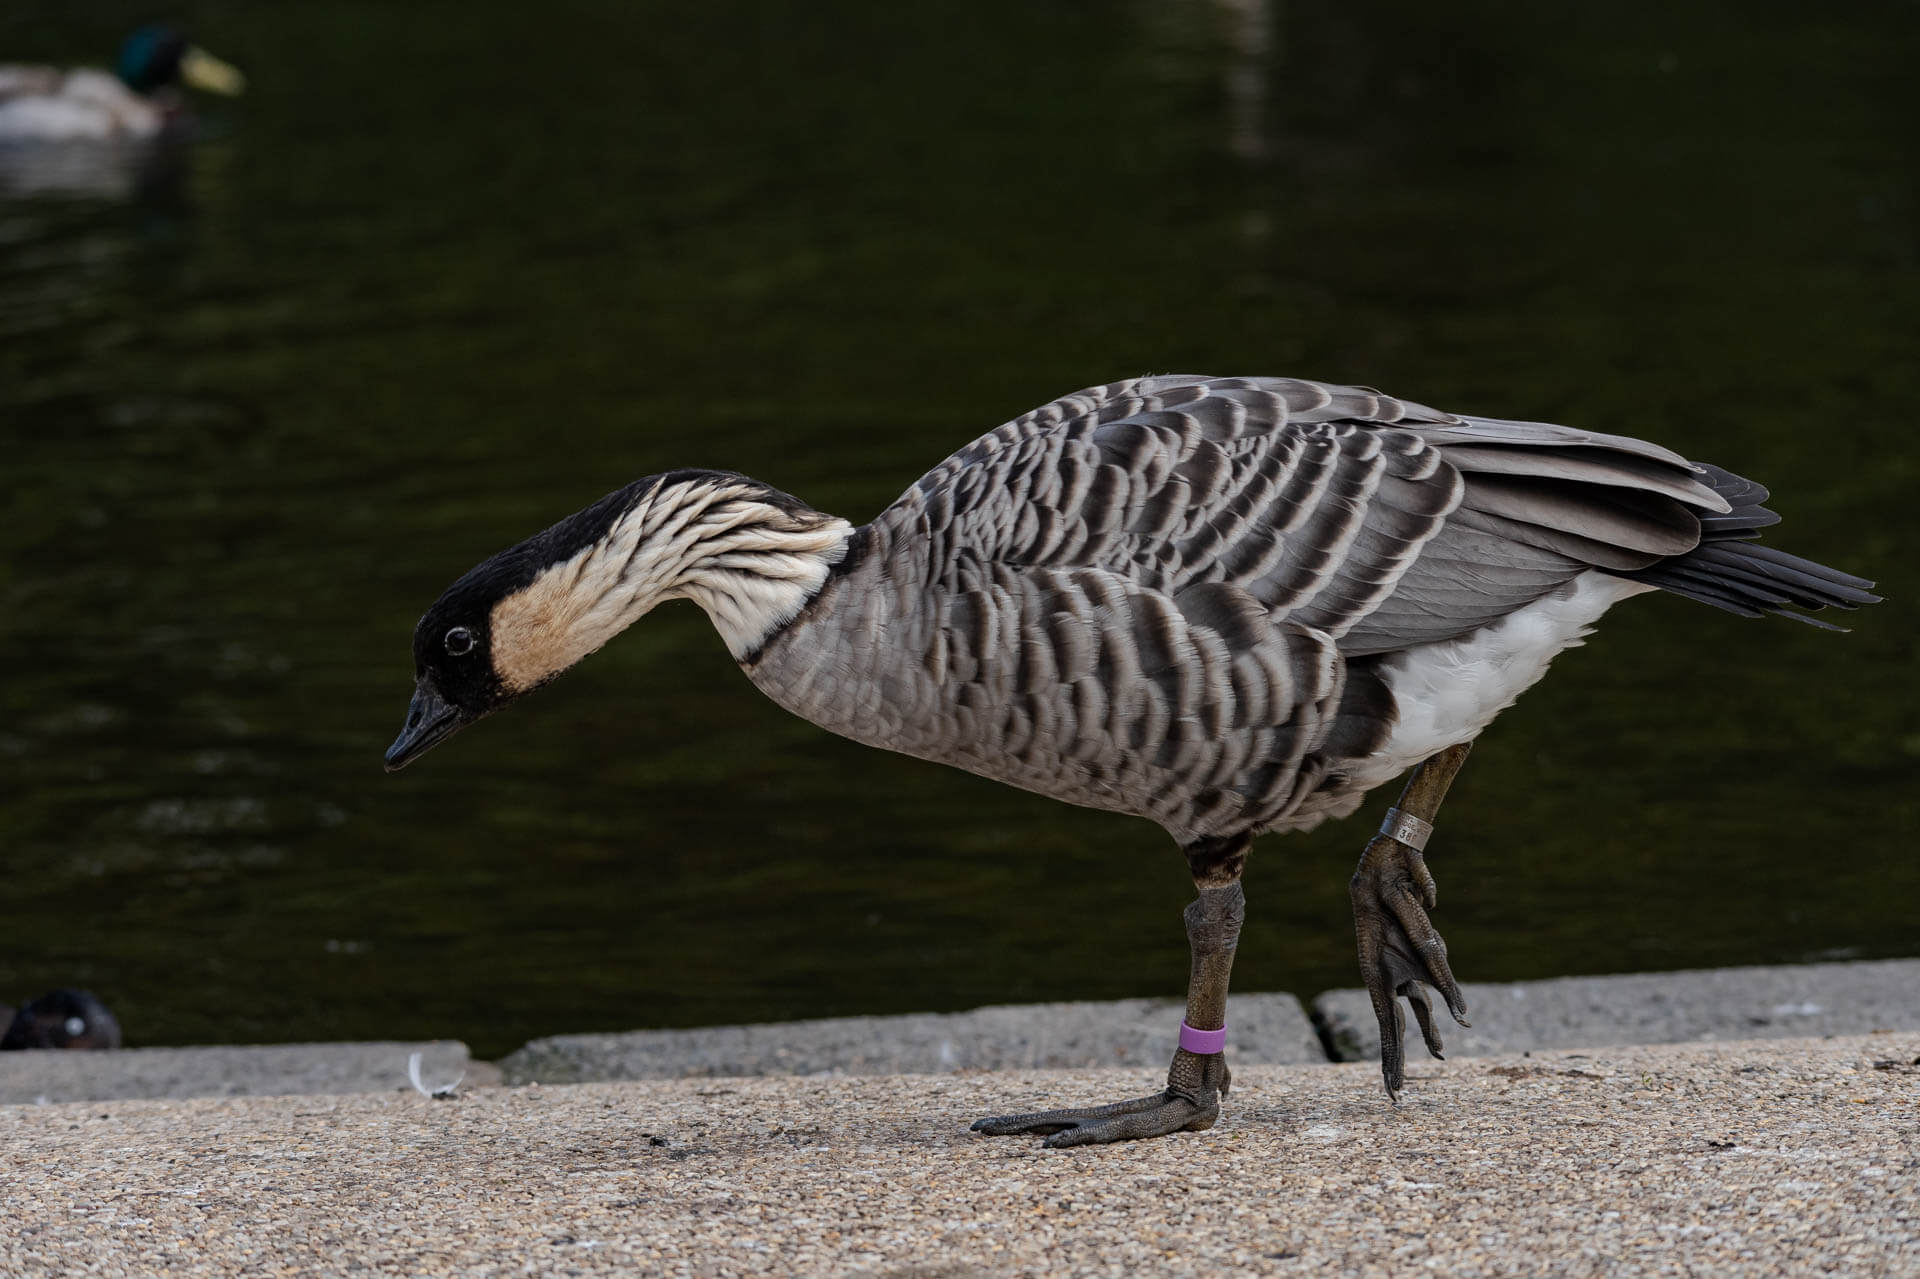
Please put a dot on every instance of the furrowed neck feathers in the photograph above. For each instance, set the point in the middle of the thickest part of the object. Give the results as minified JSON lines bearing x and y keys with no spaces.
{"x":748,"y":554}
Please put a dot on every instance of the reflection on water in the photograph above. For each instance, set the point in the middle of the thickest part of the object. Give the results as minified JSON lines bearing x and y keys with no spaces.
{"x":446,"y":281}
{"x":108,"y":171}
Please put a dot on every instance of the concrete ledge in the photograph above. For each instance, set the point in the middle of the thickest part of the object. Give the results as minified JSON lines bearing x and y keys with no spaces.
{"x":260,"y":1070}
{"x":1793,"y":1001}
{"x":1267,"y":1030}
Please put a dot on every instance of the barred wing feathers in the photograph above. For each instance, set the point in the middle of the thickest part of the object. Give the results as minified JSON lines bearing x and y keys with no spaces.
{"x":1380,"y":522}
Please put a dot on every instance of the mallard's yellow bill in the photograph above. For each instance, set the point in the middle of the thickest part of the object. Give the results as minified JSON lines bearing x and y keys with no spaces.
{"x":202,"y":70}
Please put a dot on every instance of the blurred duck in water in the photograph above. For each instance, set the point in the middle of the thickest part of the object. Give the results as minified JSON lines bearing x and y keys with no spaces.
{"x":71,"y":1019}
{"x":141,"y":101}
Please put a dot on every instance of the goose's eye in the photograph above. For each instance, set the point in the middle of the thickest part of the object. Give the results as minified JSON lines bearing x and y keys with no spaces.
{"x":459,"y":641}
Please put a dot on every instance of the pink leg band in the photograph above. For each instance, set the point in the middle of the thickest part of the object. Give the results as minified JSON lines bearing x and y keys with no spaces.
{"x":1203,"y":1042}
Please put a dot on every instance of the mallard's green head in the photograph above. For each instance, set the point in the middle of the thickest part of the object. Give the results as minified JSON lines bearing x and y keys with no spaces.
{"x":156,"y":56}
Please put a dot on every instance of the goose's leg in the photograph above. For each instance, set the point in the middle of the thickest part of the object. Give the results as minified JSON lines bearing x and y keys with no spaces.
{"x":1392,"y":891}
{"x":1198,"y":1078}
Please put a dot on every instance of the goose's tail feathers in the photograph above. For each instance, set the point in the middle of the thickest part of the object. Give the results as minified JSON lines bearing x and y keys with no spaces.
{"x":1731,"y":570}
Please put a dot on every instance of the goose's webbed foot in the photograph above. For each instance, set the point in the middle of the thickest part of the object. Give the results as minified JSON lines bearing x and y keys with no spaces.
{"x":1189,"y":1103}
{"x":1400,"y":951}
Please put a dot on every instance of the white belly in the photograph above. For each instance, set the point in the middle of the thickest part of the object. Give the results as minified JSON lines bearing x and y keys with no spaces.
{"x":1446,"y":693}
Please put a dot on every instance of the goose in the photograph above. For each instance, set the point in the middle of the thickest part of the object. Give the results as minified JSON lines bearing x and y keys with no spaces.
{"x":50,"y":105}
{"x":1229,"y":605}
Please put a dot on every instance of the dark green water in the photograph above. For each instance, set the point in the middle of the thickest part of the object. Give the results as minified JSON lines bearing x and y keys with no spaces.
{"x":451,"y":271}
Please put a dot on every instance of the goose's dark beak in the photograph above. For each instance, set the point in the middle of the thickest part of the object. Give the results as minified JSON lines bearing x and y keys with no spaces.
{"x":429,"y":722}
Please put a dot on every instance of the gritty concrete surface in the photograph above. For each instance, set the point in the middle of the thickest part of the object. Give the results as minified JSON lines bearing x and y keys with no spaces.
{"x":1651,"y":1008}
{"x":1785,"y":1157}
{"x":1267,"y":1030}
{"x":258,"y":1070}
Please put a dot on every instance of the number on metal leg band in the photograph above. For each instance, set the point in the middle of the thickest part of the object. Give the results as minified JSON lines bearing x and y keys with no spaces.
{"x":1408,"y":829}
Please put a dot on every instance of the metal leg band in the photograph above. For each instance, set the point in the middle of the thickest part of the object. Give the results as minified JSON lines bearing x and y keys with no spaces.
{"x":1408,"y":829}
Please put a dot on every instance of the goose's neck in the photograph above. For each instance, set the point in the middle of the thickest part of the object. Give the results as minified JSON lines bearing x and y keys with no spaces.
{"x":753,"y":567}
{"x":749,"y":555}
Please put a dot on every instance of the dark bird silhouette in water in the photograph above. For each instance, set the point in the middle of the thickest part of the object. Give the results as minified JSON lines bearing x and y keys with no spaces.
{"x":70,"y":1019}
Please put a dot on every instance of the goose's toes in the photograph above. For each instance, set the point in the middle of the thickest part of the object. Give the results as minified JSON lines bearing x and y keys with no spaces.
{"x":1154,"y":1116}
{"x":1400,"y":951}
{"x":1189,"y":1103}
